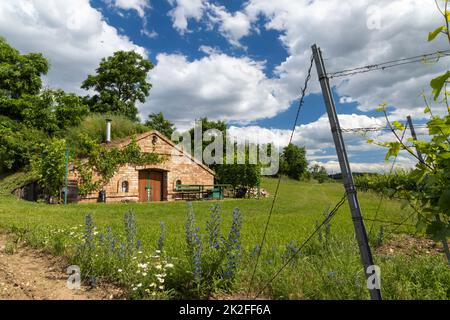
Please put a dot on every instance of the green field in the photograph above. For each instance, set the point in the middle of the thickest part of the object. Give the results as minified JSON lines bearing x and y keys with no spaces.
{"x":325,"y":269}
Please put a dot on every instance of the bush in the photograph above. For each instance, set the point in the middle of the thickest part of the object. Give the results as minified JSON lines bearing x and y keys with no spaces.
{"x":212,"y":258}
{"x":94,"y":126}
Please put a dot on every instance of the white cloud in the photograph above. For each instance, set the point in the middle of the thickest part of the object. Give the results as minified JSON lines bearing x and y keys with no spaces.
{"x":209,"y":50}
{"x":216,"y":86}
{"x":402,"y":163}
{"x":184,"y":10}
{"x":316,"y":136}
{"x":233,"y":26}
{"x":138,"y":5}
{"x":340,"y":27}
{"x":72,"y":35}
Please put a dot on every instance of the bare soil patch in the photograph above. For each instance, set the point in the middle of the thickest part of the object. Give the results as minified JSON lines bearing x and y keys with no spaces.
{"x":404,"y":244}
{"x":28,"y":274}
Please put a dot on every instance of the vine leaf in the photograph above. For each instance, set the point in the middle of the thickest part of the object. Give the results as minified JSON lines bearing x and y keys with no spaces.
{"x":432,"y":35}
{"x":438,"y":83}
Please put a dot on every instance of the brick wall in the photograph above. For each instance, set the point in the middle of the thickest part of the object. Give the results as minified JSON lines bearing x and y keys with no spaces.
{"x":176,"y":166}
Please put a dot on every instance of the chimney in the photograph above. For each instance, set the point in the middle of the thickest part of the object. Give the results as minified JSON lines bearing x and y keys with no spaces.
{"x":108,"y":131}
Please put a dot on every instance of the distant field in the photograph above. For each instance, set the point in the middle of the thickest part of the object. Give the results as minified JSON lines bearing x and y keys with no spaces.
{"x":329,"y":271}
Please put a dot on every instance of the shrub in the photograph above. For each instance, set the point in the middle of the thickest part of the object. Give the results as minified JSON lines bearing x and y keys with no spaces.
{"x":212,"y":259}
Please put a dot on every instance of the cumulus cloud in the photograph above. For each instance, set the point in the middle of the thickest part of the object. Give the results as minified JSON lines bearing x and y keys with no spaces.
{"x":138,"y":5}
{"x":233,"y":26}
{"x":71,"y":34}
{"x":315,"y":136}
{"x":402,"y":163}
{"x":217,"y":86}
{"x":353,"y":34}
{"x":350,"y":33}
{"x":183,"y":11}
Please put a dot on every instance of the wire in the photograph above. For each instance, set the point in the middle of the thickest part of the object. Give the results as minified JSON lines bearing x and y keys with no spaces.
{"x":388,"y":222}
{"x":376,"y":129}
{"x":325,"y":221}
{"x":390,"y":64}
{"x":301,"y":102}
{"x":390,"y":172}
{"x":402,"y":223}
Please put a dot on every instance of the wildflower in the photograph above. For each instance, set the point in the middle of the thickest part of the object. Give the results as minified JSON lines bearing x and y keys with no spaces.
{"x":130,"y":231}
{"x":139,"y":285}
{"x":213,"y":227}
{"x":161,"y":287}
{"x":162,"y":237}
{"x":144,"y":274}
{"x":139,"y":245}
{"x":161,"y":280}
{"x":197,"y":255}
{"x":88,"y":234}
{"x":122,"y":250}
{"x":158,"y":251}
{"x":169,"y":265}
{"x":152,"y":285}
{"x":233,"y":245}
{"x":120,"y":270}
{"x":158,"y":266}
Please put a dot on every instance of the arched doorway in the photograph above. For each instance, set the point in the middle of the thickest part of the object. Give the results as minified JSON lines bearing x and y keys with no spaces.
{"x":151,"y":185}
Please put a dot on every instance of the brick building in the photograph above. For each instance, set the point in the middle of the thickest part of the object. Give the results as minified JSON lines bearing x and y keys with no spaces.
{"x":156,"y":182}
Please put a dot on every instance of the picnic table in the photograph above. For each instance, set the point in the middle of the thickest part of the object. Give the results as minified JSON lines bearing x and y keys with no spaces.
{"x":201,"y":191}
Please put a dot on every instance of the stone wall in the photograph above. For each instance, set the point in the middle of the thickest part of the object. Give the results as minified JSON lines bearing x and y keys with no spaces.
{"x":176,"y":166}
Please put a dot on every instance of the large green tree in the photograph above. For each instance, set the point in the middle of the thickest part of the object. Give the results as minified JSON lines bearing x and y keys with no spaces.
{"x":120,"y":81}
{"x":156,"y":121}
{"x":53,"y":110}
{"x":20,"y":76}
{"x":293,"y":161}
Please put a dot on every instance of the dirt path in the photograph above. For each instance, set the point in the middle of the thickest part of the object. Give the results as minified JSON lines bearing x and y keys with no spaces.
{"x":29,"y":274}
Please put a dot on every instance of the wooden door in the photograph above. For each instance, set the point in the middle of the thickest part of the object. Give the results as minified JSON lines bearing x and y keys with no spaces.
{"x":150,"y":186}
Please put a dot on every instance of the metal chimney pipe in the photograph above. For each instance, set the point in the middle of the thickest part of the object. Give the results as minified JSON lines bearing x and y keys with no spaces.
{"x":108,"y":130}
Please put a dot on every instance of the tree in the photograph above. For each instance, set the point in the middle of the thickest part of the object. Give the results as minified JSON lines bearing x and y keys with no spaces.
{"x":293,"y":161}
{"x":53,"y":110}
{"x":20,"y":75}
{"x":319,"y":173}
{"x":156,"y":121}
{"x":18,"y":144}
{"x":120,"y":81}
{"x":50,"y":166}
{"x":243,"y":175}
{"x":208,"y":125}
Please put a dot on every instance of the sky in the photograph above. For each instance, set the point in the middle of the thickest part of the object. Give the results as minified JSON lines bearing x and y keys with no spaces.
{"x":245,"y":62}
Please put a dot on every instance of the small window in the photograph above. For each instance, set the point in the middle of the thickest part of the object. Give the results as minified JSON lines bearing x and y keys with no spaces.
{"x":178,"y":184}
{"x":124,"y":186}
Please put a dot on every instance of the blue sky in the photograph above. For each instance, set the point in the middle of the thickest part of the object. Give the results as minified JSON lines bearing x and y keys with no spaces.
{"x":245,"y":61}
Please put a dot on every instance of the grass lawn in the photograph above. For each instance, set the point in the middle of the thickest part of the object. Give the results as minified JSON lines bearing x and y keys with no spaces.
{"x":326,"y":269}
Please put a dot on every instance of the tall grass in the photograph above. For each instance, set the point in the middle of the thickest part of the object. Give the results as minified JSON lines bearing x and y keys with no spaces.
{"x":327,"y":268}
